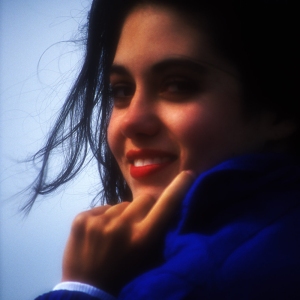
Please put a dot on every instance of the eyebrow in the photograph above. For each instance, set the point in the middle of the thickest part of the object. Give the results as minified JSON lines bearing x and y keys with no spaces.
{"x":175,"y":62}
{"x":163,"y":65}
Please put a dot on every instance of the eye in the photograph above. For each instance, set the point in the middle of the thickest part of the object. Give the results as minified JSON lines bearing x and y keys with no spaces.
{"x":121,"y":92}
{"x":178,"y":88}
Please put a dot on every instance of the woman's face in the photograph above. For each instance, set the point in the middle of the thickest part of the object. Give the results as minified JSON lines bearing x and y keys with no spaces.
{"x":177,"y":102}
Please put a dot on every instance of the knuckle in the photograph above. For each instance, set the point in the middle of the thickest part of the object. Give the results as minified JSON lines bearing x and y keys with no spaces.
{"x":94,"y":230}
{"x":80,"y":219}
{"x":84,"y":218}
{"x":120,"y":207}
{"x":124,"y":203}
{"x":96,"y":211}
{"x":79,"y":223}
{"x":109,"y":222}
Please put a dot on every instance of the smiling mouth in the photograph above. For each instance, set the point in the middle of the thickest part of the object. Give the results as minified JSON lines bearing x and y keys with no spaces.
{"x":150,"y":161}
{"x":146,"y":162}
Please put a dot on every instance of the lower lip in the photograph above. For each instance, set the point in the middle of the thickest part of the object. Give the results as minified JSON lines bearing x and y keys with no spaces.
{"x":139,"y":172}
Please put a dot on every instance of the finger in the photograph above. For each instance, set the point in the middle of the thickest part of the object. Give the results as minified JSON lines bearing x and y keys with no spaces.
{"x":99,"y":210}
{"x":97,"y":217}
{"x":167,"y":204}
{"x":116,"y":210}
{"x":80,"y":221}
{"x":139,"y":208}
{"x":111,"y":219}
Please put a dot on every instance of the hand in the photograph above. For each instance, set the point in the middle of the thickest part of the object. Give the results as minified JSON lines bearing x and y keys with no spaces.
{"x":109,"y":245}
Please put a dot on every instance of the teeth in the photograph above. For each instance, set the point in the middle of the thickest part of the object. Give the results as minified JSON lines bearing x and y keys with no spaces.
{"x":150,"y":161}
{"x":138,"y":162}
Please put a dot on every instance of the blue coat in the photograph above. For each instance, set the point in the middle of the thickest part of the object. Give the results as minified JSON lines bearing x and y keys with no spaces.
{"x":237,"y":236}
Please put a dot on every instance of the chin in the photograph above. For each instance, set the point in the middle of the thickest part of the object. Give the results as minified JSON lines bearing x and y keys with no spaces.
{"x":155,"y":192}
{"x":154,"y":184}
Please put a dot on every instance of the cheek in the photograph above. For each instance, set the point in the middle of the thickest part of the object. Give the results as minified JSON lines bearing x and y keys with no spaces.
{"x":197,"y":133}
{"x":112,"y":136}
{"x":205,"y":136}
{"x":193,"y":125}
{"x":191,"y":128}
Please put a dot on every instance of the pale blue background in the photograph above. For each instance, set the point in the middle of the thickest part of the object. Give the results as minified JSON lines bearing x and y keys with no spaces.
{"x":31,"y":93}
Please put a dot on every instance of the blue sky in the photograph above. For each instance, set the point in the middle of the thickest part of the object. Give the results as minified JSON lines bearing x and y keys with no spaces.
{"x":36,"y":73}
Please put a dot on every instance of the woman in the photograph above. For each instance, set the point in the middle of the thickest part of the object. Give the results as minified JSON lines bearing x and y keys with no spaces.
{"x":171,"y":90}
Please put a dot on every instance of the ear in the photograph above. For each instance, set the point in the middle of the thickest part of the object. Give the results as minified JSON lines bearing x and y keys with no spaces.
{"x":276,"y":129}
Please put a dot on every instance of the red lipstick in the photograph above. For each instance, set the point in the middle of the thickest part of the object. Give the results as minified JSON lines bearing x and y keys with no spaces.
{"x":145,"y":162}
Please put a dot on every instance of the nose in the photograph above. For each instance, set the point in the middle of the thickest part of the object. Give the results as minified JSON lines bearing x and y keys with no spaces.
{"x":141,"y":118}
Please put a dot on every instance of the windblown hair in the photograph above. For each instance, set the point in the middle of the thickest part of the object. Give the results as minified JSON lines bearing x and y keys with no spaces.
{"x":259,"y":37}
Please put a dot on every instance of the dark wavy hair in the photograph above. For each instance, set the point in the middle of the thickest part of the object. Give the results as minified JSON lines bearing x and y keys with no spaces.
{"x":259,"y":37}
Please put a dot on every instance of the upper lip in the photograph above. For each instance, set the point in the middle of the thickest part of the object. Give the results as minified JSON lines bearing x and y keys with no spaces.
{"x":134,"y":154}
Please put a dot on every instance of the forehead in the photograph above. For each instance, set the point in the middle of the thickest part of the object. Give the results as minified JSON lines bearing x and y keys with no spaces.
{"x":156,"y":33}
